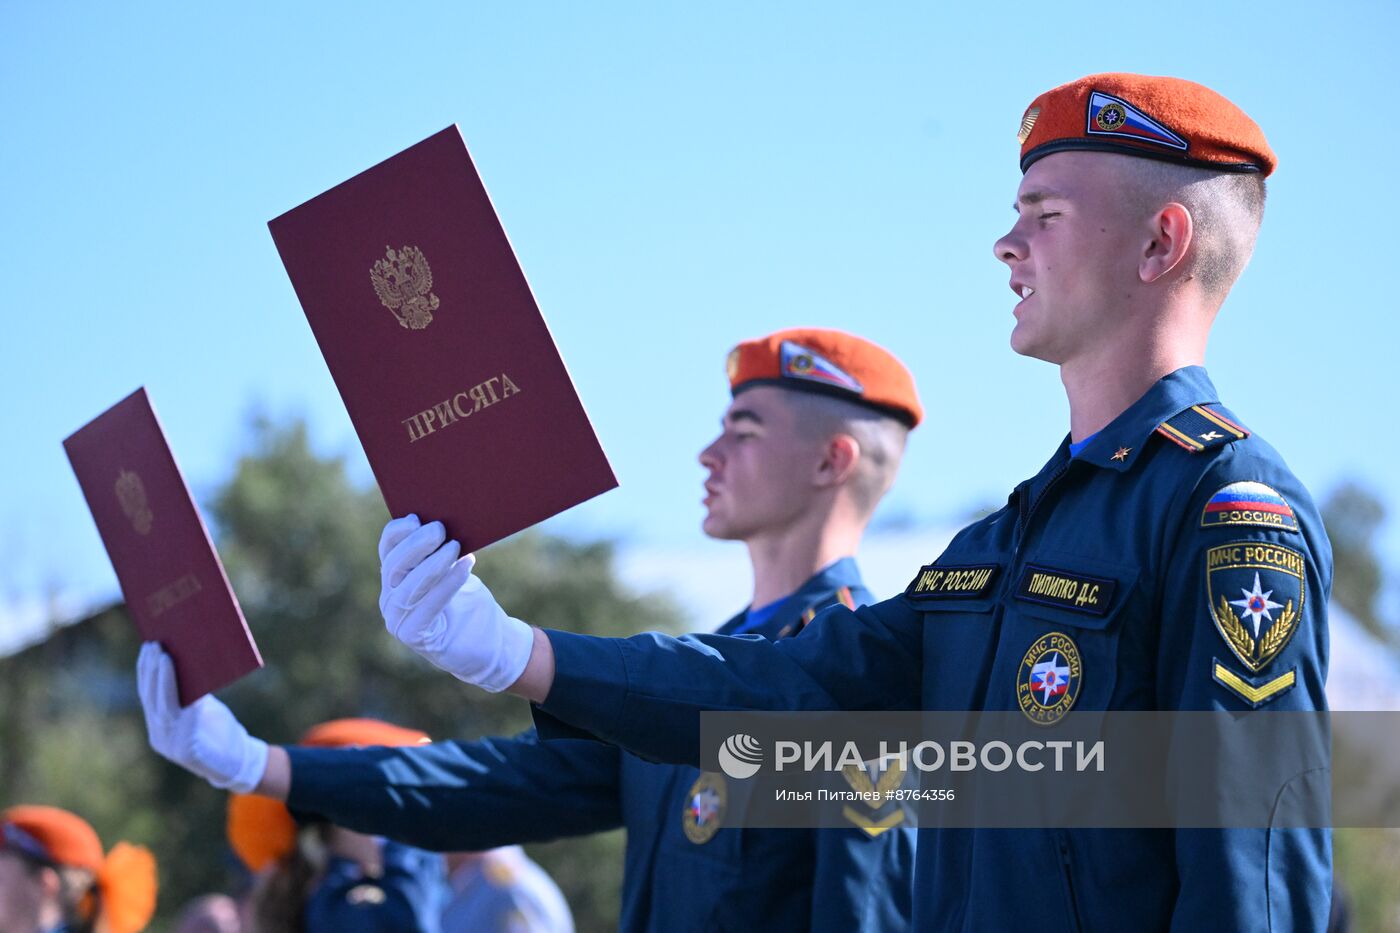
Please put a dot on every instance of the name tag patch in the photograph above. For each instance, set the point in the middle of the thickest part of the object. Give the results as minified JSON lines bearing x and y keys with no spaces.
{"x":952,"y":581}
{"x":1066,"y":589}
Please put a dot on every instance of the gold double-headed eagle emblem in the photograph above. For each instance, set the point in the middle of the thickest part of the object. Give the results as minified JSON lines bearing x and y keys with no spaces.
{"x":404,"y":283}
{"x":131,"y":494}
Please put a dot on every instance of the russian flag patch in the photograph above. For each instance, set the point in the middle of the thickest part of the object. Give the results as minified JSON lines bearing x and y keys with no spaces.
{"x":798,"y":362}
{"x":1110,"y":116}
{"x":1249,"y":503}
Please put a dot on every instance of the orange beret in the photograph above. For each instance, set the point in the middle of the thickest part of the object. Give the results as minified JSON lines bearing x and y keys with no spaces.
{"x":261,"y":831}
{"x":1158,"y":118}
{"x":51,"y":835}
{"x":828,"y":362}
{"x":125,"y":877}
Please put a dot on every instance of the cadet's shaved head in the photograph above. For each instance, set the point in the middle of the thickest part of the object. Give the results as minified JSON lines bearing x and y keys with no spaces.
{"x":1226,"y":210}
{"x":881,"y":439}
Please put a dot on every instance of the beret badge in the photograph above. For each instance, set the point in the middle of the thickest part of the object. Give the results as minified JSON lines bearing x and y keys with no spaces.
{"x":1111,"y":117}
{"x":1027,"y":124}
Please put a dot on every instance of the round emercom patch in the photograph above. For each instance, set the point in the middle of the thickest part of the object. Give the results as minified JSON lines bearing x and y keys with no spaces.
{"x":1048,"y":680}
{"x":704,"y":808}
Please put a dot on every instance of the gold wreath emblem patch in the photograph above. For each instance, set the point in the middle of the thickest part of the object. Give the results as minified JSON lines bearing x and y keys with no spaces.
{"x":1255,"y":591}
{"x":404,"y":283}
{"x":704,"y":807}
{"x":131,"y":493}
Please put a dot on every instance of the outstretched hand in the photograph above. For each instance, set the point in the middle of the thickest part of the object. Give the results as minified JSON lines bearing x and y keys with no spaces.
{"x":433,"y":603}
{"x":204,"y":737}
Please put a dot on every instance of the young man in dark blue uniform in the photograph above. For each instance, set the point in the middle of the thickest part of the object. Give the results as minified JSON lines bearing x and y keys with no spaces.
{"x":810,"y":443}
{"x":1164,"y":558}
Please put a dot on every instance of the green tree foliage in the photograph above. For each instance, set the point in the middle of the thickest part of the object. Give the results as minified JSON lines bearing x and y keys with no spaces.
{"x":1366,"y":861}
{"x":70,"y":731}
{"x":1367,"y":865}
{"x":1353,"y":515}
{"x":298,"y":539}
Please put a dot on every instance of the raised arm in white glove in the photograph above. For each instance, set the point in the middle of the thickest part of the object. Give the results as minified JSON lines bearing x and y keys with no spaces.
{"x":203,"y":737}
{"x":432,"y":603}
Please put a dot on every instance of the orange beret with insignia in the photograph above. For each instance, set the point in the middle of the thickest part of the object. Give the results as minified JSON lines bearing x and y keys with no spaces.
{"x":827,"y":362}
{"x":125,"y":878}
{"x":261,"y":830}
{"x":1169,"y":119}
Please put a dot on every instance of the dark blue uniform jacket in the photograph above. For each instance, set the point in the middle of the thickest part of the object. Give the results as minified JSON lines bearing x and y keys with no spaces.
{"x":408,"y":896}
{"x":1186,"y":568}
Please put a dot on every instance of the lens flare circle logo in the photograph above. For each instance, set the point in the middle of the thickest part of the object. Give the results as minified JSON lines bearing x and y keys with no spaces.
{"x":740,"y":756}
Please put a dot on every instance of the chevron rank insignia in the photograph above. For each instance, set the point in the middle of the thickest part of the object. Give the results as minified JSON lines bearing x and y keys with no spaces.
{"x":867,"y":780}
{"x":1253,"y":691}
{"x":1201,"y":427}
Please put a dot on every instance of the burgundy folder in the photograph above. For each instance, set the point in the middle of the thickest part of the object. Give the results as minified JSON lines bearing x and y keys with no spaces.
{"x":448,"y":371}
{"x":174,"y":584}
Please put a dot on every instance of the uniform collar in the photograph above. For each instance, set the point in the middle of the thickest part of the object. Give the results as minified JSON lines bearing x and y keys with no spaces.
{"x":1118,"y":445}
{"x":832,"y":577}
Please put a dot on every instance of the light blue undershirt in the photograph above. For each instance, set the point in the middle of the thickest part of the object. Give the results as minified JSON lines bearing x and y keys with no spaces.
{"x":1076,"y":447}
{"x":759,"y":617}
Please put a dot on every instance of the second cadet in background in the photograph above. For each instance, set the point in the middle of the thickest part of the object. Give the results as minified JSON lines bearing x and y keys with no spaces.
{"x":811,"y":442}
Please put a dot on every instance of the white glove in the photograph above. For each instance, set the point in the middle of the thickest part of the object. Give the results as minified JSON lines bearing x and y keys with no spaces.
{"x":432,"y":603}
{"x":203,"y":737}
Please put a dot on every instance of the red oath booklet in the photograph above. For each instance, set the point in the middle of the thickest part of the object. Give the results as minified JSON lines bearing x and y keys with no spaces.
{"x":433,"y":337}
{"x":174,"y":584}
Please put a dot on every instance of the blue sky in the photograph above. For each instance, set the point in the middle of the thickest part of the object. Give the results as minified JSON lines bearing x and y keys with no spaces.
{"x":674,"y":178}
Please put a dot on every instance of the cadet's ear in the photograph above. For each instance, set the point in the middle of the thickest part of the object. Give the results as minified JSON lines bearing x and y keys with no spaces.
{"x":1168,"y":240}
{"x":49,"y":883}
{"x":839,"y":460}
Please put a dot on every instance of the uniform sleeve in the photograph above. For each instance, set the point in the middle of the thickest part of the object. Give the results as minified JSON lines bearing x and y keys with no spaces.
{"x":1244,"y":626}
{"x":408,"y":897}
{"x":462,"y":795}
{"x":645,"y":693}
{"x":863,"y":883}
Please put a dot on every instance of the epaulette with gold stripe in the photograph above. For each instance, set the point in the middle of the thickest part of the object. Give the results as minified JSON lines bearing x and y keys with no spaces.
{"x":1201,"y":427}
{"x":842,"y":596}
